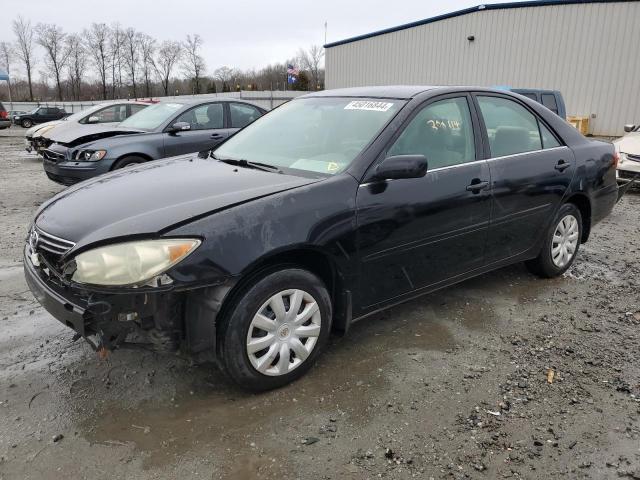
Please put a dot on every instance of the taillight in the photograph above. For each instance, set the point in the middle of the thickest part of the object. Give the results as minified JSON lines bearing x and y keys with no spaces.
{"x":616,"y":159}
{"x":3,"y":114}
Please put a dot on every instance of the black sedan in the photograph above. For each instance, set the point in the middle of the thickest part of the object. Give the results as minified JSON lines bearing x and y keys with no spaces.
{"x":39,"y":115}
{"x":328,"y":209}
{"x":162,"y":130}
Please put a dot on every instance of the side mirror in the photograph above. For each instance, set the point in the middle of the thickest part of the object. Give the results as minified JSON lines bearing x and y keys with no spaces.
{"x":401,"y":166}
{"x":93,"y":119}
{"x":180,"y":127}
{"x":629,"y":128}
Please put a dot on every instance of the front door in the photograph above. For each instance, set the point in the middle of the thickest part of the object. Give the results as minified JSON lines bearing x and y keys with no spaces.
{"x":530,"y":173}
{"x":416,"y":233}
{"x":207,"y":130}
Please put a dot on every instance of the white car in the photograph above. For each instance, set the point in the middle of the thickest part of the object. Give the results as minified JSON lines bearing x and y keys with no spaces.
{"x":110,"y":113}
{"x":628,"y":148}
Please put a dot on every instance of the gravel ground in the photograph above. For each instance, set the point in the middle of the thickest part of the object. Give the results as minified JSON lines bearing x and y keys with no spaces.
{"x":457,"y":384}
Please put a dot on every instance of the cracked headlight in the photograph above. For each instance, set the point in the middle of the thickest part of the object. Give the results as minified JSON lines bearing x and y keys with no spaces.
{"x":131,"y":263}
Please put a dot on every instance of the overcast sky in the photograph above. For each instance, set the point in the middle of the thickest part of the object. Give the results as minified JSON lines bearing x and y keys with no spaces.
{"x":236,"y":34}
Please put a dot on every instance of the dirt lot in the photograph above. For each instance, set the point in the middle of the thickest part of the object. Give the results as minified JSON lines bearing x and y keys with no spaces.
{"x":453,"y":385}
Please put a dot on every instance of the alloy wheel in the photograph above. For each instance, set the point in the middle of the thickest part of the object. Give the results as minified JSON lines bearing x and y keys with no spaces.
{"x":283,"y":332}
{"x":565,"y":241}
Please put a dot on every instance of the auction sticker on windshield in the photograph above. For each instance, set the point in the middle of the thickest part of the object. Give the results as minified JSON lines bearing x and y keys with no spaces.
{"x":368,"y":105}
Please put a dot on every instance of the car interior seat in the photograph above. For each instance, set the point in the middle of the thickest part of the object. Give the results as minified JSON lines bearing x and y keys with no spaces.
{"x":510,"y":140}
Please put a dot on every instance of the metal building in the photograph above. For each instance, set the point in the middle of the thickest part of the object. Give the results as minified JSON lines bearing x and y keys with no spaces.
{"x":586,"y":49}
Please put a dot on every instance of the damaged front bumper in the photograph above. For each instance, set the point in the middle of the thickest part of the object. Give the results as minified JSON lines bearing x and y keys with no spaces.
{"x":106,"y":320}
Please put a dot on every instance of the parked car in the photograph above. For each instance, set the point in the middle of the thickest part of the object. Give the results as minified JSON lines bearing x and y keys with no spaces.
{"x":39,"y":137}
{"x":5,"y":120}
{"x":328,"y":209}
{"x":162,"y":130}
{"x":39,"y":115}
{"x":552,"y":99}
{"x":628,"y":147}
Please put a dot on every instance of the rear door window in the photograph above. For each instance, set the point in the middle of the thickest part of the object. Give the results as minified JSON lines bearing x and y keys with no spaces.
{"x":135,"y":108}
{"x":549,"y":101}
{"x":511,"y":128}
{"x":114,"y":113}
{"x":442,"y":132}
{"x":242,"y":115}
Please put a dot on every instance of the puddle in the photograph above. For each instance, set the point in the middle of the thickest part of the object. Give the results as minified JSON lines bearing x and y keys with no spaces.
{"x":208,"y":413}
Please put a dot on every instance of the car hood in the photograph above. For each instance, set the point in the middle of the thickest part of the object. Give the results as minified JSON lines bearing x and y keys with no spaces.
{"x":152,"y":197}
{"x":78,"y":133}
{"x":630,"y":143}
{"x":36,"y":128}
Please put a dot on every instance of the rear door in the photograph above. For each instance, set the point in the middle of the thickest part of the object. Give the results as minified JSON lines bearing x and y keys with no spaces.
{"x":415,"y":233}
{"x":208,"y":128}
{"x":53,"y":113}
{"x":530,"y":173}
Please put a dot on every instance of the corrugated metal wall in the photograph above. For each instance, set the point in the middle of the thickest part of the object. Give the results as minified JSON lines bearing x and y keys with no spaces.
{"x":590,"y":52}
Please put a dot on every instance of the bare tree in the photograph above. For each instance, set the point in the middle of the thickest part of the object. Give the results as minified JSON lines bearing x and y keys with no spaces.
{"x":25,"y":47}
{"x":97,"y":42}
{"x":77,"y":64}
{"x":193,"y":64}
{"x":52,"y":39}
{"x":132,"y":55}
{"x":147,"y":51}
{"x":168,"y":56}
{"x":6,"y":57}
{"x":224,"y":75}
{"x":116,"y":40}
{"x":310,"y":61}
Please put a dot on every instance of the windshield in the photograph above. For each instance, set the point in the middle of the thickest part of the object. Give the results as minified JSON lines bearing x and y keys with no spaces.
{"x":151,"y":117}
{"x":320,"y":135}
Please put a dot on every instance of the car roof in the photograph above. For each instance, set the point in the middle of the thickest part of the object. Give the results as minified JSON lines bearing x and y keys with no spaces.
{"x":195,"y":101}
{"x":381,"y":91}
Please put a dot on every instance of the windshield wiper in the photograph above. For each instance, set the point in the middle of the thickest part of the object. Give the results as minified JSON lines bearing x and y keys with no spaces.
{"x":241,"y":162}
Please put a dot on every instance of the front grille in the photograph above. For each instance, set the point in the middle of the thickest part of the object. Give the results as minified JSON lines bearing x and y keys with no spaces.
{"x":49,"y":246}
{"x":53,"y":156}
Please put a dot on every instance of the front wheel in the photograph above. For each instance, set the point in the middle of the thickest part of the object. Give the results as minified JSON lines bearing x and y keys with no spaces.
{"x":27,"y":123}
{"x":561,"y":243}
{"x":275,"y":329}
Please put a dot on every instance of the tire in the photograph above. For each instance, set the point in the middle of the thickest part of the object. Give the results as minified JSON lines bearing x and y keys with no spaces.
{"x":237,"y":329}
{"x":26,"y":123}
{"x":551,"y":262}
{"x":127,"y":162}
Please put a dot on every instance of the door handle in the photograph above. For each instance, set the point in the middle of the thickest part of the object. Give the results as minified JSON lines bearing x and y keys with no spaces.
{"x":217,"y":136}
{"x":477,"y":185}
{"x":561,"y":166}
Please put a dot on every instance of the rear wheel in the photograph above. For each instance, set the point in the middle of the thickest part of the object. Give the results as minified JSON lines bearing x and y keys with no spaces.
{"x":275,"y":329}
{"x":561,"y":243}
{"x":26,"y":123}
{"x":127,"y":162}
